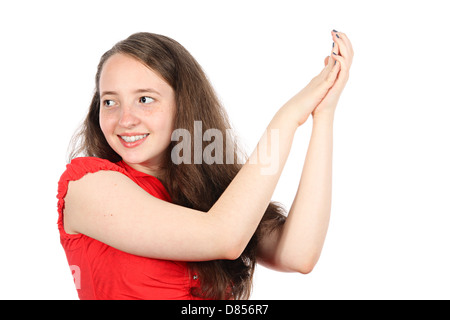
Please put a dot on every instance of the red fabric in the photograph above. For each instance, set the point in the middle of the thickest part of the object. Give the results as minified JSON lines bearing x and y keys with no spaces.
{"x":103,"y":272}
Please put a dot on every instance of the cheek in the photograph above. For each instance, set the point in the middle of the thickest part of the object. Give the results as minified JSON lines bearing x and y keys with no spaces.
{"x":163,"y":129}
{"x":163,"y":123}
{"x":168,"y":128}
{"x":106,"y":124}
{"x":103,"y":124}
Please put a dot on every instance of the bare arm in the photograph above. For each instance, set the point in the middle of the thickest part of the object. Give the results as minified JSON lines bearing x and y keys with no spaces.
{"x":297,"y":246}
{"x":109,"y":207}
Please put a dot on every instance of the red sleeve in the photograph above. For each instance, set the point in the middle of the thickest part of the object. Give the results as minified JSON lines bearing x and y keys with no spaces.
{"x":75,"y":170}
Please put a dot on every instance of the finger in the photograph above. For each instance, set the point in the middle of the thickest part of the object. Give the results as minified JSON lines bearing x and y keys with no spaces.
{"x":329,"y":61}
{"x":339,"y":58}
{"x":336,"y":47}
{"x":341,"y":44}
{"x":346,"y":41}
{"x":342,"y":41}
{"x":343,"y":68}
{"x":335,"y":51}
{"x":333,"y":74}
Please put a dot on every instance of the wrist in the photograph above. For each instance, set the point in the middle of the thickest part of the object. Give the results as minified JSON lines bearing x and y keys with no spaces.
{"x":324,"y":117}
{"x":289,"y":116}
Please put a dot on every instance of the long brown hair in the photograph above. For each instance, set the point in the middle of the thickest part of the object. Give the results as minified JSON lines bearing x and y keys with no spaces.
{"x":196,"y":186}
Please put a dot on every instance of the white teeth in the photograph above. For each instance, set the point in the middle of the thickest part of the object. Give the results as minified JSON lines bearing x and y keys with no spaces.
{"x":133,"y":138}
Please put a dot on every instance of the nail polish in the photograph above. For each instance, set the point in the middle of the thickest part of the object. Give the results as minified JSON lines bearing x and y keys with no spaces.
{"x":337,"y":36}
{"x":335,"y":30}
{"x":333,"y":44}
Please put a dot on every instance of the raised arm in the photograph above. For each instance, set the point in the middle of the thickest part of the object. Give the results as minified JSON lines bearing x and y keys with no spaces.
{"x":111,"y":208}
{"x":297,"y":246}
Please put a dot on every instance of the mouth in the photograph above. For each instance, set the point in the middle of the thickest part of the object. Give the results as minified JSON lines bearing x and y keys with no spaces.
{"x":131,"y":141}
{"x":134,"y":138}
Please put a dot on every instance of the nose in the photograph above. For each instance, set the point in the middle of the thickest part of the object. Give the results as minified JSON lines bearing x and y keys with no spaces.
{"x":128,"y":118}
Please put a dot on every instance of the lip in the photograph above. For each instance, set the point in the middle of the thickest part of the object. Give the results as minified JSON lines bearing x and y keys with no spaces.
{"x":130,"y":134}
{"x":132,"y":144}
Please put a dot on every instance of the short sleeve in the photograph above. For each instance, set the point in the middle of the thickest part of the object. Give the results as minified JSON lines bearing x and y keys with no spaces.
{"x":75,"y":170}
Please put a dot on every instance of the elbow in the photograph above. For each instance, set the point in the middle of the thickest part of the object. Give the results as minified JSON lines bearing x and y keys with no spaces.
{"x":232,"y":254}
{"x":233,"y":250}
{"x":303,"y":265}
{"x":304,"y":268}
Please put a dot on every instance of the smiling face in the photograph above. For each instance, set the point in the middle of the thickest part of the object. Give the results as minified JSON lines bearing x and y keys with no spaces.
{"x":137,"y":108}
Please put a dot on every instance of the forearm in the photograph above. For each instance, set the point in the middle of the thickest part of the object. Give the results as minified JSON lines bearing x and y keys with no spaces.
{"x":305,"y":229}
{"x":252,"y":188}
{"x":298,"y":245}
{"x":243,"y":203}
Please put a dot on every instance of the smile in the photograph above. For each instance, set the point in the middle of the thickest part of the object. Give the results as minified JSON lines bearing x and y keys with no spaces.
{"x":133,"y":138}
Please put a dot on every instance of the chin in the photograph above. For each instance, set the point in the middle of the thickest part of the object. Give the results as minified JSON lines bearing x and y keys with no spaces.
{"x":148,"y":160}
{"x":134,"y":159}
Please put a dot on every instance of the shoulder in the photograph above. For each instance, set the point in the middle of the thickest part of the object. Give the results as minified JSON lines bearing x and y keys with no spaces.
{"x":85,"y":165}
{"x":87,"y":186}
{"x":81,"y":166}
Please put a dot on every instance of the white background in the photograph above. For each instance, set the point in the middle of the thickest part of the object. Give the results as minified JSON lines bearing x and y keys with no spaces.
{"x":389,"y":232}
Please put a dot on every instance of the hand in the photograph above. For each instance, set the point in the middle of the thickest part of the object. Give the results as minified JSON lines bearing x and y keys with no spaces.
{"x":307,"y":100}
{"x":342,"y":56}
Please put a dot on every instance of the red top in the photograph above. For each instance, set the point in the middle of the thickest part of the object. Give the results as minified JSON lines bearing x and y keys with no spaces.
{"x":103,"y":272}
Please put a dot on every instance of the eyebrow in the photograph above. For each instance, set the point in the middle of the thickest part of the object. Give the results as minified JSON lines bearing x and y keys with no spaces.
{"x":146,"y":90}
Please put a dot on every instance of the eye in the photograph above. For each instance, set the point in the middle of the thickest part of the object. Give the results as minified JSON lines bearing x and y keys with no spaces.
{"x":146,"y":100}
{"x":108,"y":103}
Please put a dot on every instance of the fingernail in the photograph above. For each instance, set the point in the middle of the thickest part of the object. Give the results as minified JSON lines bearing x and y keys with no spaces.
{"x":335,"y":30}
{"x":334,"y":53}
{"x":333,"y":44}
{"x":337,"y":36}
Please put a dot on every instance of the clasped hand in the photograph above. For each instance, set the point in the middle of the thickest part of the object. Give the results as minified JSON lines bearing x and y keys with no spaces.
{"x":322,"y":93}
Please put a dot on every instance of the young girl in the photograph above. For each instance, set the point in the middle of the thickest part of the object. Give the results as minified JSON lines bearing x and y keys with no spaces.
{"x":135,"y":224}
